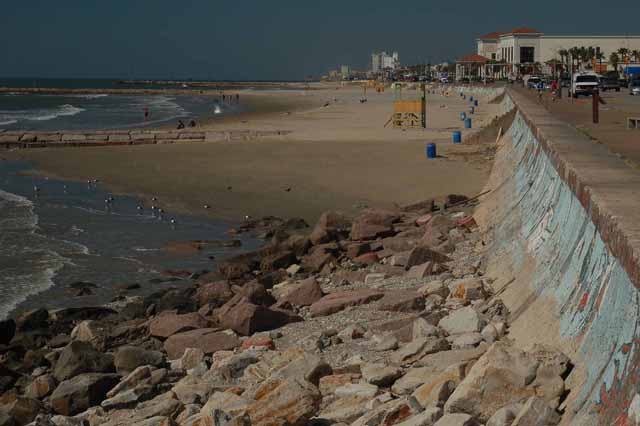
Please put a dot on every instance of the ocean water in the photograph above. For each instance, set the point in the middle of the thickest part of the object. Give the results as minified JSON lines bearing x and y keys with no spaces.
{"x":105,"y":111}
{"x":55,"y":233}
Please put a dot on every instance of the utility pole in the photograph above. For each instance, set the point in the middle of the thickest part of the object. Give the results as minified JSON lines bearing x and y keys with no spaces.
{"x":424,"y":106}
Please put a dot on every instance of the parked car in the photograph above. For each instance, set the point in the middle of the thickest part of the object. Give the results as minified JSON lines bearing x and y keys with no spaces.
{"x":534,"y":82}
{"x":634,"y":87}
{"x":584,"y":84}
{"x":608,"y":83}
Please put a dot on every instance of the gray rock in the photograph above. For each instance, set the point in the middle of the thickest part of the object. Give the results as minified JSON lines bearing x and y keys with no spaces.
{"x":466,"y":340}
{"x":422,"y":328}
{"x":428,"y":417}
{"x":380,"y":374}
{"x":127,"y":398}
{"x":128,"y":358}
{"x":536,"y":412}
{"x":465,"y":320}
{"x":456,"y":420}
{"x":505,"y":416}
{"x":81,"y":357}
{"x":75,"y":395}
{"x":362,"y":390}
{"x":233,"y":367}
{"x":386,"y":342}
{"x":500,"y":377}
{"x":418,"y":348}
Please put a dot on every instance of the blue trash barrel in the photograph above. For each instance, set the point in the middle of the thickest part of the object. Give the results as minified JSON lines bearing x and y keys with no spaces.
{"x":431,"y":150}
{"x":457,"y":136}
{"x":472,"y":110}
{"x":475,"y":103}
{"x":463,"y":116}
{"x":467,"y":123}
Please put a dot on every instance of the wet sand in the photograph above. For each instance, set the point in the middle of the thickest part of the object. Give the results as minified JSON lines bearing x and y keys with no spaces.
{"x":337,"y":156}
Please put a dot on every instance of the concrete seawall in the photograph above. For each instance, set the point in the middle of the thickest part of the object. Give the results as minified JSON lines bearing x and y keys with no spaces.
{"x":563,"y":227}
{"x":23,"y":139}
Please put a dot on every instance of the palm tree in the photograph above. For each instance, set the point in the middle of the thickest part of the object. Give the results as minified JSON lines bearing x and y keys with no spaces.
{"x":623,"y":52}
{"x":614,"y":59}
{"x":600,"y":57}
{"x":575,"y":56}
{"x":564,"y":56}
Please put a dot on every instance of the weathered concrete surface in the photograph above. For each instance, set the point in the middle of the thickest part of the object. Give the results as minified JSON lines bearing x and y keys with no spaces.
{"x":564,"y":226}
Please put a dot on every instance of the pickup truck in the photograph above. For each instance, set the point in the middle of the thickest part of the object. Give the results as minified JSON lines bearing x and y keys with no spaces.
{"x":584,"y":84}
{"x":609,"y":83}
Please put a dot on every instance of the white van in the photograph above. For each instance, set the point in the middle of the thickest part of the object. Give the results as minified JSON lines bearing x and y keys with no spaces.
{"x":584,"y":83}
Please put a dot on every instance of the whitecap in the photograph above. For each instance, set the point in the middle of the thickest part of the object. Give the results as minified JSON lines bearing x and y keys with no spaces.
{"x":65,"y":110}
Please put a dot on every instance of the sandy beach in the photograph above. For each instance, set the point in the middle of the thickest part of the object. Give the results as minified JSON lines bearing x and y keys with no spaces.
{"x":336,"y":154}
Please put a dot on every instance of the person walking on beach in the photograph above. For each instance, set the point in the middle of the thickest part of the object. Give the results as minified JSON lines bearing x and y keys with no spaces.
{"x":192,"y":123}
{"x":237,"y":98}
{"x":180,"y":125}
{"x":554,"y":90}
{"x":146,"y":113}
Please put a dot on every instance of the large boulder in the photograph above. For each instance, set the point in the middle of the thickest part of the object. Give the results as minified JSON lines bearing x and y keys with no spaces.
{"x":41,"y":386}
{"x":245,"y":318}
{"x":128,"y":358}
{"x":7,"y":331}
{"x":305,"y":294}
{"x":281,"y":260}
{"x":536,"y":412}
{"x":336,"y":302}
{"x":402,"y":301}
{"x":465,"y":320}
{"x":291,"y":402}
{"x":216,"y":293}
{"x":81,"y":357}
{"x":239,"y":266}
{"x":208,"y":339}
{"x":168,"y":323}
{"x":75,"y":395}
{"x":502,"y":376}
{"x":373,"y":224}
{"x":20,"y":409}
{"x":33,"y":320}
{"x":422,"y":254}
{"x":253,"y":292}
{"x":330,"y":227}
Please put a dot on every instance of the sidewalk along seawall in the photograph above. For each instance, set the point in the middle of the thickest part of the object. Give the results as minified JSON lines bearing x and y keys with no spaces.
{"x":44,"y":139}
{"x":563,"y":225}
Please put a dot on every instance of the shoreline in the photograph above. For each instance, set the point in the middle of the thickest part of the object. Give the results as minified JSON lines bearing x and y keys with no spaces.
{"x":335,"y":148}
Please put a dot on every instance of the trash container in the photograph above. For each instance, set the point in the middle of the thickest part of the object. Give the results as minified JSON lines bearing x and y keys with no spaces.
{"x":467,"y":123}
{"x":475,"y":103}
{"x":431,"y":150}
{"x":457,"y":136}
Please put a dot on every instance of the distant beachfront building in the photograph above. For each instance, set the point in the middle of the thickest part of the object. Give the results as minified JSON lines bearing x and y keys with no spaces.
{"x":382,"y":61}
{"x":525,"y":50}
{"x":345,"y":70}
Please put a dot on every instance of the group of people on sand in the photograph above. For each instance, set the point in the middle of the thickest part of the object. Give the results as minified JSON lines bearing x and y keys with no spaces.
{"x":181,"y":125}
{"x":230,"y":98}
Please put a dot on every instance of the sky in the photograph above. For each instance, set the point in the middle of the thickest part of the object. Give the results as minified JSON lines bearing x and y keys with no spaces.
{"x":268,"y":40}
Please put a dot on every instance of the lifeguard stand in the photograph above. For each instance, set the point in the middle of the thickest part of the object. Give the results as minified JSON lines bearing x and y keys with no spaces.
{"x":409,"y":113}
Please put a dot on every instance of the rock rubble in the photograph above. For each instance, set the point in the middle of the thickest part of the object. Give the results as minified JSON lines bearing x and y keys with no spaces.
{"x":382,"y":319}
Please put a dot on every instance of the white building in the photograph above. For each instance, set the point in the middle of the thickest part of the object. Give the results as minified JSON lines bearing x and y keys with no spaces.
{"x":382,"y":61}
{"x":522,"y":49}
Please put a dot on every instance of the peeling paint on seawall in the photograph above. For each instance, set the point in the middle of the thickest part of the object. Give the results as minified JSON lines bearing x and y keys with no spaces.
{"x":567,"y":280}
